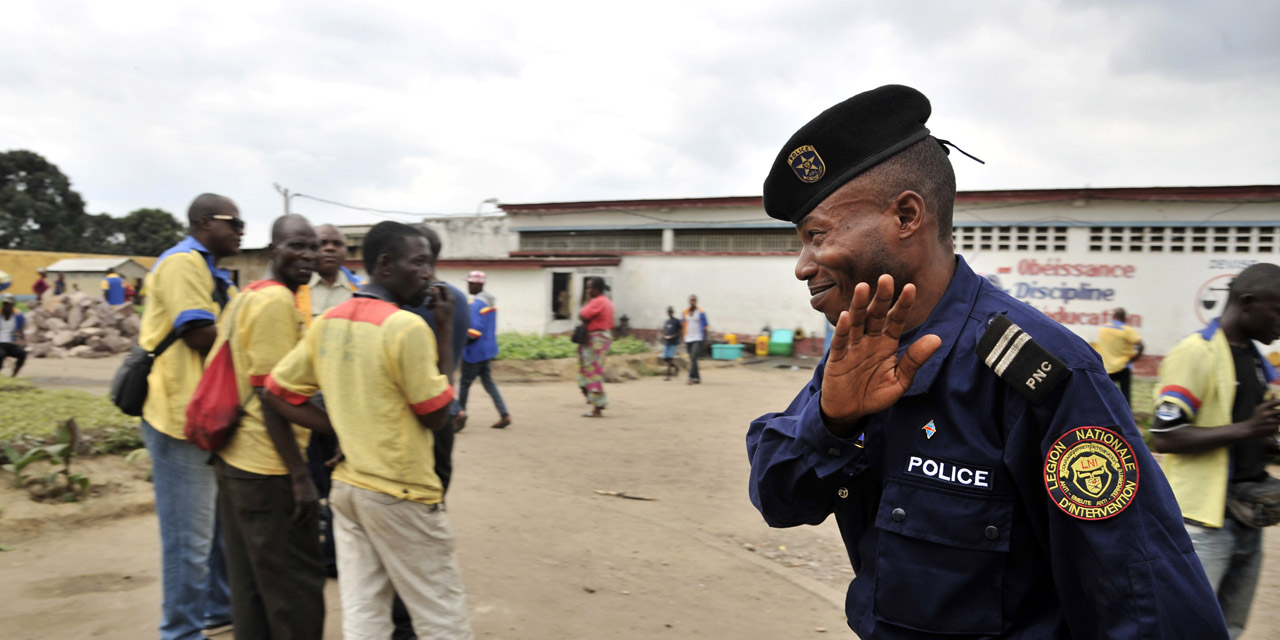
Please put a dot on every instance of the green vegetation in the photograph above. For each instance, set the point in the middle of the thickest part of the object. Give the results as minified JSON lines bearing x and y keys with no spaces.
{"x":628,"y":346}
{"x":59,"y":483}
{"x":33,"y":415}
{"x":528,"y":346}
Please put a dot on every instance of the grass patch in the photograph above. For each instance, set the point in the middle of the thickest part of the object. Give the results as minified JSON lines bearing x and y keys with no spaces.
{"x":32,"y":415}
{"x":530,"y":346}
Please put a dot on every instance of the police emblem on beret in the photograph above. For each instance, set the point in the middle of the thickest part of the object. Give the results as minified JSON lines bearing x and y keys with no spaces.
{"x":1091,"y":474}
{"x":807,"y":164}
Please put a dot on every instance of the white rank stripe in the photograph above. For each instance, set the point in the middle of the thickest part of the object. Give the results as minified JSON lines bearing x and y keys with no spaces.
{"x":1013,"y":353}
{"x":1000,"y":345}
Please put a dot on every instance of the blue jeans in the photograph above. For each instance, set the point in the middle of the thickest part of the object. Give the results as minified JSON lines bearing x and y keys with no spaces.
{"x":196,"y":594}
{"x":1232,"y":558}
{"x":469,"y":372}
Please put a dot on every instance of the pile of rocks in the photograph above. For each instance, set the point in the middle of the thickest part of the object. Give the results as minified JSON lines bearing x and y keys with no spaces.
{"x":80,"y":326}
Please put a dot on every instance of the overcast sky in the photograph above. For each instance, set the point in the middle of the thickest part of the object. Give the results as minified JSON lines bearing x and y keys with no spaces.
{"x":436,"y":107}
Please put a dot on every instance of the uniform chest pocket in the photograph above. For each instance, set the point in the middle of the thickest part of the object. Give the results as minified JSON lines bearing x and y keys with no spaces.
{"x":941,"y":560}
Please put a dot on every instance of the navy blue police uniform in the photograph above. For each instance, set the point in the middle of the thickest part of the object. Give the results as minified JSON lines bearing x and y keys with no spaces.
{"x":1007,"y":494}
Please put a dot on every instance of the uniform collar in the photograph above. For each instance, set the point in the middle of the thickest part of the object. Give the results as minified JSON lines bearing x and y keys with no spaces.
{"x":188,"y":244}
{"x":946,"y":321}
{"x":376,"y":292}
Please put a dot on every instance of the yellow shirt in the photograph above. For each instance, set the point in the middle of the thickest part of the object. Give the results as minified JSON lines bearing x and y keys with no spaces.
{"x":1116,"y":345}
{"x":377,"y":367}
{"x":180,"y":289}
{"x":1199,"y":376}
{"x":266,"y":326}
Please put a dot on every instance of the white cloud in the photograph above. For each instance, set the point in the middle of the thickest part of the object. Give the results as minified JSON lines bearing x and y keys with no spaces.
{"x":435,"y":107}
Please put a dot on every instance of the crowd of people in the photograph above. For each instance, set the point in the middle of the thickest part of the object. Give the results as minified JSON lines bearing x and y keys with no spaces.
{"x":981,"y":461}
{"x":343,"y":370}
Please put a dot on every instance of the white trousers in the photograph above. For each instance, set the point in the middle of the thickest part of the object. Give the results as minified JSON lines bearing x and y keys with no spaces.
{"x":386,"y":546}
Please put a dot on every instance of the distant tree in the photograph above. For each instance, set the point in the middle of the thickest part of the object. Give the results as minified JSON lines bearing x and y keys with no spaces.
{"x":38,"y":208}
{"x":102,"y":234}
{"x":148,"y":232}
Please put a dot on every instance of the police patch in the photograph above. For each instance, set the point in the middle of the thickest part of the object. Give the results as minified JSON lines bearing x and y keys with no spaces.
{"x":1091,"y":474}
{"x":807,"y":164}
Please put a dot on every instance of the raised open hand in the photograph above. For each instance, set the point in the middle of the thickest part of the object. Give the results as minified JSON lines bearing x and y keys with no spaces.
{"x":863,"y":373}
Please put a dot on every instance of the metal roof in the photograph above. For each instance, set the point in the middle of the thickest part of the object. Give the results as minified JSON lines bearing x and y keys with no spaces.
{"x":88,"y":264}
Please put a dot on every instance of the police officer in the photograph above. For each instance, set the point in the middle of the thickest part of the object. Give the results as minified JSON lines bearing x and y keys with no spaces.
{"x":987,"y":477}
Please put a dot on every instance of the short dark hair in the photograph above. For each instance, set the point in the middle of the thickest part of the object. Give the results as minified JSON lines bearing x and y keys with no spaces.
{"x":597,"y":283}
{"x":386,"y":237}
{"x":923,"y":168}
{"x":206,"y":204}
{"x":1258,"y":278}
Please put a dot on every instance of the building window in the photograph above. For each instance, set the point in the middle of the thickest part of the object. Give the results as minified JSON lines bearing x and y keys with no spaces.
{"x":561,"y":299}
{"x":591,"y":240}
{"x":1012,"y":238}
{"x":738,"y":240}
{"x":1182,"y":239}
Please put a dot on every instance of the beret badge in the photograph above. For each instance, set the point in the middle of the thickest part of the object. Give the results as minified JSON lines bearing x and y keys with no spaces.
{"x":807,"y":164}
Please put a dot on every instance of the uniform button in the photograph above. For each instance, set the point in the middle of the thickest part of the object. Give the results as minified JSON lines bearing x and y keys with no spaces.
{"x":898,"y":515}
{"x":992,"y":533}
{"x":842,"y":492}
{"x":833,"y":451}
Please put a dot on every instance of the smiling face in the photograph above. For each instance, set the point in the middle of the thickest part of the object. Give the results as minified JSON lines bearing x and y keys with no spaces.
{"x":293,"y":257}
{"x":846,"y":240}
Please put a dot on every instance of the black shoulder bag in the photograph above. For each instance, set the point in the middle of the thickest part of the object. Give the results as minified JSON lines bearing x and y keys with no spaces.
{"x":129,"y":386}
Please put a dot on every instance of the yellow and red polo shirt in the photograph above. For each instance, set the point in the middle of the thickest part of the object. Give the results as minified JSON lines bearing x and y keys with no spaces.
{"x":262,"y":325}
{"x":377,"y":367}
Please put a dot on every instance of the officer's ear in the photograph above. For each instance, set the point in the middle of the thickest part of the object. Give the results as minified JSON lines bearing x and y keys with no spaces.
{"x":909,"y":211}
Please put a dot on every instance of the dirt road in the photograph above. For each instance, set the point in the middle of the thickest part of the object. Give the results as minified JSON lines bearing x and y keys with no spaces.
{"x":543,"y":555}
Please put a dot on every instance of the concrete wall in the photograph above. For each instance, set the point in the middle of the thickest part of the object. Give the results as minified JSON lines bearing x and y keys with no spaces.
{"x":523,"y":297}
{"x":472,"y":236}
{"x":741,"y":294}
{"x":22,"y":265}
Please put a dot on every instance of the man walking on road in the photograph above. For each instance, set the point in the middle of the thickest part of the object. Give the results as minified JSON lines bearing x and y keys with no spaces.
{"x":1119,"y":345}
{"x":695,"y":336}
{"x":1217,"y":428}
{"x":482,"y":346}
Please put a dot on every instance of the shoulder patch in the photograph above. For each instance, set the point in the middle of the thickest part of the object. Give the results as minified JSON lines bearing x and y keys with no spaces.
{"x":1091,"y":473}
{"x":1018,"y":360}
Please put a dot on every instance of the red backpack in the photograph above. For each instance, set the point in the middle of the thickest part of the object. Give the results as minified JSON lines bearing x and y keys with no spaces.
{"x":215,"y":408}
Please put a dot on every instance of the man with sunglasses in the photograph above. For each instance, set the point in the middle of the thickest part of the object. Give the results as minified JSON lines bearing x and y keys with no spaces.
{"x":186,"y":294}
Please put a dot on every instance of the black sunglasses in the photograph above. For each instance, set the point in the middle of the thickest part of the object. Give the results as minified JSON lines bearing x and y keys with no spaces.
{"x":236,"y":223}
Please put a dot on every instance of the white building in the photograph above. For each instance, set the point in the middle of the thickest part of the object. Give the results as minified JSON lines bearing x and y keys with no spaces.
{"x":1165,"y":254}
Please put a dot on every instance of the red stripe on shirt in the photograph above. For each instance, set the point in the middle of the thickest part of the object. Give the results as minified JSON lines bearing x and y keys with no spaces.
{"x":427,"y":406}
{"x":259,"y":380}
{"x":284,"y":394}
{"x":369,"y":310}
{"x":263,"y":284}
{"x":1195,"y":402}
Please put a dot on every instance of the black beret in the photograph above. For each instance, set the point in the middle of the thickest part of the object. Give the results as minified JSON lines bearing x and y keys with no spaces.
{"x":841,"y":143}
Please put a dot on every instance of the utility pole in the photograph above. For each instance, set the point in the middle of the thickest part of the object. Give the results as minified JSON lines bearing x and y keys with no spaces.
{"x":284,"y":192}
